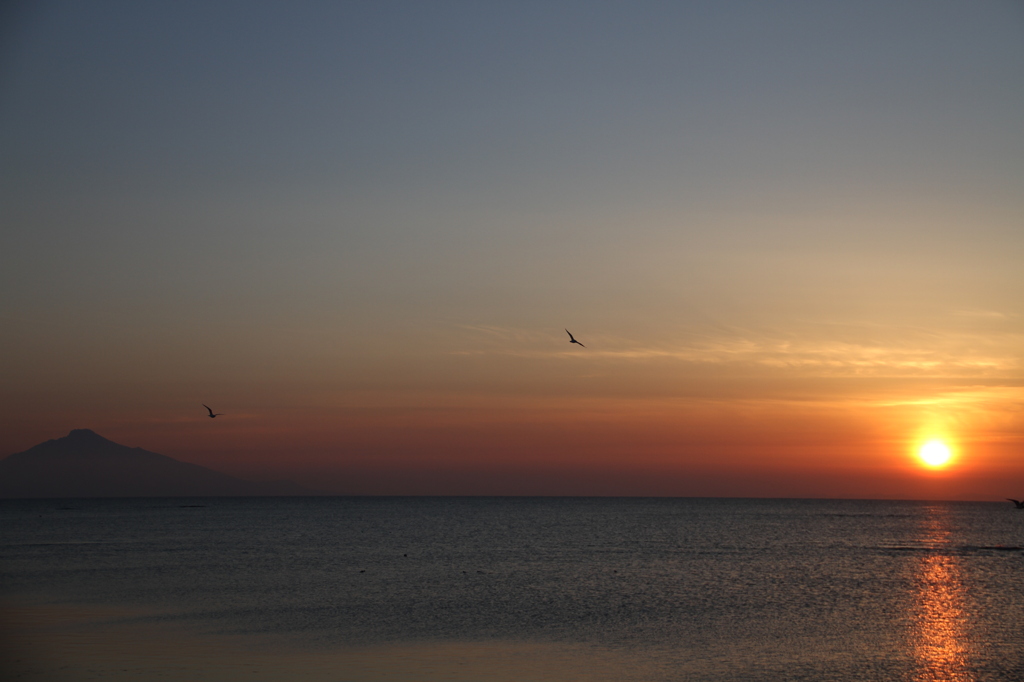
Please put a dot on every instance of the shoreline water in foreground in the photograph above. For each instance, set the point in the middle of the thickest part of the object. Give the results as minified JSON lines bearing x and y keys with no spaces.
{"x":507,"y":588}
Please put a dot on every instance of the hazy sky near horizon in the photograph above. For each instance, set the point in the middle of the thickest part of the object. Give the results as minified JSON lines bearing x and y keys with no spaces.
{"x":790,"y":234}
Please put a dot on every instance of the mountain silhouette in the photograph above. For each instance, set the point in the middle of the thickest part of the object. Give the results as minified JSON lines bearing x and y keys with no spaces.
{"x":85,"y":464}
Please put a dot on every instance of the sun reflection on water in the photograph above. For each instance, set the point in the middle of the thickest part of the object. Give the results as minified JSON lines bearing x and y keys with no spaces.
{"x":940,"y":642}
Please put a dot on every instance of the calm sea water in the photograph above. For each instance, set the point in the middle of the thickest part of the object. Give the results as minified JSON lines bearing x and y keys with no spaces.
{"x":625,"y":589}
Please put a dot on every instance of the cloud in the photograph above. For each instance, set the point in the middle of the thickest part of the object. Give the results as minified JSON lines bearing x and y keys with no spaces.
{"x":824,"y":350}
{"x":984,"y":314}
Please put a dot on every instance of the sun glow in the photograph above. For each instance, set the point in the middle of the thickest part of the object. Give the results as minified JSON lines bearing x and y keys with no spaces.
{"x":935,"y":454}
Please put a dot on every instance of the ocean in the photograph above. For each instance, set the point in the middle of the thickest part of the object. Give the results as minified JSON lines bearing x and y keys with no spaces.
{"x":486,"y":589}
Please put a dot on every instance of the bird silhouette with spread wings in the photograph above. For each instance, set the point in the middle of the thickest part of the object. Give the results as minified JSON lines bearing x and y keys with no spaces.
{"x":1017,"y":503}
{"x":573,"y":340}
{"x":212,"y":415}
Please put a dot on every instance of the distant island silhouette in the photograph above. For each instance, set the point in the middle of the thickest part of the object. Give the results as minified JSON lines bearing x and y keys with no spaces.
{"x":85,"y":464}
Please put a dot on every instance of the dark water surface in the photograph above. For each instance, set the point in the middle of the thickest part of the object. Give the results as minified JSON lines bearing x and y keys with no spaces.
{"x":616,"y":589}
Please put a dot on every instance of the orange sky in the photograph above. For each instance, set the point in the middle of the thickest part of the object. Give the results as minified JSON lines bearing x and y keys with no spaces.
{"x":587,"y":421}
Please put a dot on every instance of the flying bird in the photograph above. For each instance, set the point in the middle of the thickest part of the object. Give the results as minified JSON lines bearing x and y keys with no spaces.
{"x":571,"y":339}
{"x":1018,"y":503}
{"x":212,"y":415}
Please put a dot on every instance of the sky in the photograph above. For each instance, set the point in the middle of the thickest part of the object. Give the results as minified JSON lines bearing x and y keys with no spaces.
{"x":790,"y":235}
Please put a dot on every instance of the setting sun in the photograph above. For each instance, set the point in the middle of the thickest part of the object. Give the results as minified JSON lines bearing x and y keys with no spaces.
{"x":935,"y":453}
